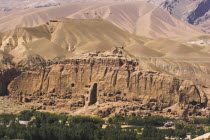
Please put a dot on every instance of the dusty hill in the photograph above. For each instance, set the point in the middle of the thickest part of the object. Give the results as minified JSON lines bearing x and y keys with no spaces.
{"x":175,"y":49}
{"x":141,"y":18}
{"x":69,"y":38}
{"x":10,"y":5}
{"x":179,"y":58}
{"x":63,"y":38}
{"x":69,"y":61}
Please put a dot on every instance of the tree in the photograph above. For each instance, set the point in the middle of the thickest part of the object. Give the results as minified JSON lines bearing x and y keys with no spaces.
{"x":152,"y":133}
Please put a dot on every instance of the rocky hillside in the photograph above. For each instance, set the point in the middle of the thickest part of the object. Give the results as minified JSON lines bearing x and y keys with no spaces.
{"x":6,"y":76}
{"x":140,"y":18}
{"x":63,"y":38}
{"x":106,"y":83}
{"x":196,"y":12}
{"x":68,"y":38}
{"x":13,"y":5}
{"x":66,"y":66}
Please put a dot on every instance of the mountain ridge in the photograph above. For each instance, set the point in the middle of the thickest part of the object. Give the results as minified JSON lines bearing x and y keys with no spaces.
{"x":130,"y":16}
{"x":194,"y":12}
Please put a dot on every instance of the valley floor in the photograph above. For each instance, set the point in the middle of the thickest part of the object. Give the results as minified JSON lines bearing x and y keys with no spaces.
{"x":205,"y":136}
{"x":9,"y":107}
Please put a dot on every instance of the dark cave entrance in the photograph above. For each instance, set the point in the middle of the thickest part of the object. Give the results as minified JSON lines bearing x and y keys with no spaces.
{"x":93,"y":94}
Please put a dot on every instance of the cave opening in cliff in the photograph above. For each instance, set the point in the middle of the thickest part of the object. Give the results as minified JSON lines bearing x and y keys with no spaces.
{"x":93,"y":94}
{"x":72,"y":85}
{"x":118,"y":92}
{"x":193,"y":103}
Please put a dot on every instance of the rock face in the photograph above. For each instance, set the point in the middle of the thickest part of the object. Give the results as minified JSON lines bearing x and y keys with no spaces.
{"x":195,"y":12}
{"x":200,"y":11}
{"x":100,"y":80}
{"x":183,"y":67}
{"x":6,"y":76}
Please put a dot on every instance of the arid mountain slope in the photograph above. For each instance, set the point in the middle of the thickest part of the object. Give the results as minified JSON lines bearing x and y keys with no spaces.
{"x":175,"y":49}
{"x":68,"y":38}
{"x":193,"y":11}
{"x":141,"y":18}
{"x":12,"y":5}
{"x":92,"y":67}
{"x":63,"y":38}
{"x":180,"y":58}
{"x":104,"y":84}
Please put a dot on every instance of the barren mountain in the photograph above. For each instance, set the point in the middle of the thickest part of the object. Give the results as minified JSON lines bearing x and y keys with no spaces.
{"x":141,"y":18}
{"x":67,"y":38}
{"x":61,"y":38}
{"x":64,"y":38}
{"x":103,"y":84}
{"x":196,"y":12}
{"x":93,"y":61}
{"x":92,"y":67}
{"x":10,"y":5}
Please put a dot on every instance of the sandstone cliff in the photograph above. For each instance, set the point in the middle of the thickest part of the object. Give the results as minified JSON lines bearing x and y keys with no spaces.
{"x":6,"y":76}
{"x":182,"y":67}
{"x":79,"y":83}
